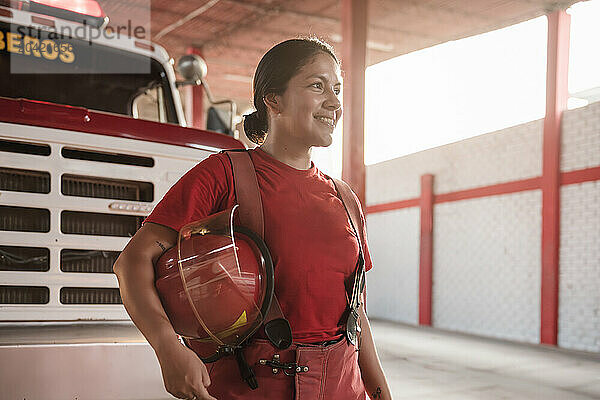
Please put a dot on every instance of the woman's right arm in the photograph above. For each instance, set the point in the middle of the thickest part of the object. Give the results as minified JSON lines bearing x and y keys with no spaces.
{"x":184,"y":374}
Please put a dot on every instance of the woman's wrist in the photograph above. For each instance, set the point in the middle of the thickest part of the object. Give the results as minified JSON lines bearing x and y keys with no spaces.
{"x":165,"y":342}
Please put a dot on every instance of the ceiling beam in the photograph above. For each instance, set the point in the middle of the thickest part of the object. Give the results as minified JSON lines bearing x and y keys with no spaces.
{"x":283,"y":10}
{"x":322,"y":18}
{"x":182,"y":21}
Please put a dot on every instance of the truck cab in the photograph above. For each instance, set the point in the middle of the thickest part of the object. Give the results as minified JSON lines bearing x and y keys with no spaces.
{"x":77,"y":63}
{"x":92,"y":135}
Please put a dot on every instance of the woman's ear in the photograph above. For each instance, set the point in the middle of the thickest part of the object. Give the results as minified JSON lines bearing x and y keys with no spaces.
{"x":273,"y":103}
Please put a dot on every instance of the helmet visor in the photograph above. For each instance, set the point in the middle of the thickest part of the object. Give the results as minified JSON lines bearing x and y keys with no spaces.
{"x":223,"y":277}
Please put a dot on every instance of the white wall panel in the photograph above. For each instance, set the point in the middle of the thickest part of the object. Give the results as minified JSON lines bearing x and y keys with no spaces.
{"x":579,"y":300}
{"x":581,"y":138}
{"x":486,"y":266}
{"x":393,"y":283}
{"x":502,"y":156}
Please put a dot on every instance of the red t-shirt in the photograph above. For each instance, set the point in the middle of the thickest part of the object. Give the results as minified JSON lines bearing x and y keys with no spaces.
{"x":307,"y":231}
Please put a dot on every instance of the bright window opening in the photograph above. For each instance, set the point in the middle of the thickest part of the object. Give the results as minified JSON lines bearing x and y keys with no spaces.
{"x":480,"y":84}
{"x":455,"y":90}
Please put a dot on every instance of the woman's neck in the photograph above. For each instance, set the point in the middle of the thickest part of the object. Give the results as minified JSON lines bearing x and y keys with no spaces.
{"x":292,"y":154}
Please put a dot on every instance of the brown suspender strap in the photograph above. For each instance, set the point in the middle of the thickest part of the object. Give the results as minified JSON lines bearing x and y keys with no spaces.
{"x":352,"y":208}
{"x":246,"y":192}
{"x":251,"y":214}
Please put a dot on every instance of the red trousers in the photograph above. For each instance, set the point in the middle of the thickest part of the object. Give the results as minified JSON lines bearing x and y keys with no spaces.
{"x":333,"y":373}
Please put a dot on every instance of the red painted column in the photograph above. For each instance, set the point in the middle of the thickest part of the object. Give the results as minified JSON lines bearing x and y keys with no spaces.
{"x":354,"y":52}
{"x":557,"y":93}
{"x":426,"y":250}
{"x":195,"y":114}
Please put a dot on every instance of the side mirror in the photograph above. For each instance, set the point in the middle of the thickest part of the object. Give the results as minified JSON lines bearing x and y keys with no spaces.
{"x":193,"y":69}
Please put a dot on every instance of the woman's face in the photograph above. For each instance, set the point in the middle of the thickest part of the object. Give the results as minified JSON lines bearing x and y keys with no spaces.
{"x":311,"y":107}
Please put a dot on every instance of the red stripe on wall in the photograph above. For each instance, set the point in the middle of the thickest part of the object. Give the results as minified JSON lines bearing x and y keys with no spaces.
{"x":580,"y":176}
{"x":566,"y":178}
{"x":426,"y":250}
{"x":484,"y":191}
{"x":394,"y":205}
{"x":492,"y":190}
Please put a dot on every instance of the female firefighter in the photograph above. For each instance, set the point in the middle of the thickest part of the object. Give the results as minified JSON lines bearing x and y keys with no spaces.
{"x":296,"y":91}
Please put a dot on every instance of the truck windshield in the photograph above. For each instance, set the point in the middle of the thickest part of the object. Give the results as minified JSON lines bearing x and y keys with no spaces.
{"x":83,"y":76}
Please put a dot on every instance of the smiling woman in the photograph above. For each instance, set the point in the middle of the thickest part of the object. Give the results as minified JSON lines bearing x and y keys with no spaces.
{"x":306,"y":114}
{"x":296,"y":86}
{"x":317,"y":247}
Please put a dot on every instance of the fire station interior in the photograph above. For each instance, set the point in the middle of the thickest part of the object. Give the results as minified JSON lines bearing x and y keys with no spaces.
{"x":486,"y":250}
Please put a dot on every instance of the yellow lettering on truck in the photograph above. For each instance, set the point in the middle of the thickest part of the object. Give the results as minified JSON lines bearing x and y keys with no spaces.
{"x":66,"y":53}
{"x":13,"y":43}
{"x":31,"y":46}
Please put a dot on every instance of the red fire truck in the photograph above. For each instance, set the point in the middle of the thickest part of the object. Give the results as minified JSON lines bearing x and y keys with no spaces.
{"x":86,"y":151}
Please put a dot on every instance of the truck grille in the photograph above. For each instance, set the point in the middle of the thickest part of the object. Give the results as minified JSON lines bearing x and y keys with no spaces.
{"x":11,"y":146}
{"x":16,"y":258}
{"x":119,"y":189}
{"x":24,"y":295}
{"x":114,"y":158}
{"x":22,"y":180}
{"x":82,"y":295}
{"x":24,"y":219}
{"x":85,"y":223}
{"x":89,"y":261}
{"x":69,"y":204}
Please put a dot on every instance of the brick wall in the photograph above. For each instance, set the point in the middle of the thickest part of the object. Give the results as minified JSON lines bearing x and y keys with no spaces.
{"x":579,"y":300}
{"x":581,"y":138}
{"x":394,"y":281}
{"x":486,"y":266}
{"x":487,"y":250}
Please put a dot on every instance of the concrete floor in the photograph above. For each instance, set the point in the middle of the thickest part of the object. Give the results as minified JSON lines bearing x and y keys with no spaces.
{"x":427,"y":364}
{"x":420,"y":363}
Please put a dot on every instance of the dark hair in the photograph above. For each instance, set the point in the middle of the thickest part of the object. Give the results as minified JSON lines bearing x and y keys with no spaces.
{"x":272,"y":75}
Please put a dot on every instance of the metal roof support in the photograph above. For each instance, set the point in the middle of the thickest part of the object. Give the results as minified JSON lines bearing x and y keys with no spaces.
{"x":194,"y":96}
{"x":354,"y":52}
{"x":557,"y":94}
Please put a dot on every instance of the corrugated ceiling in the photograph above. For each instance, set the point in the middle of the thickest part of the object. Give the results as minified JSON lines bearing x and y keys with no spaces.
{"x":234,"y":34}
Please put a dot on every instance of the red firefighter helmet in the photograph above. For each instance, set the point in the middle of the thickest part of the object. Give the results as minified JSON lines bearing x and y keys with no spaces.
{"x":216,"y":284}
